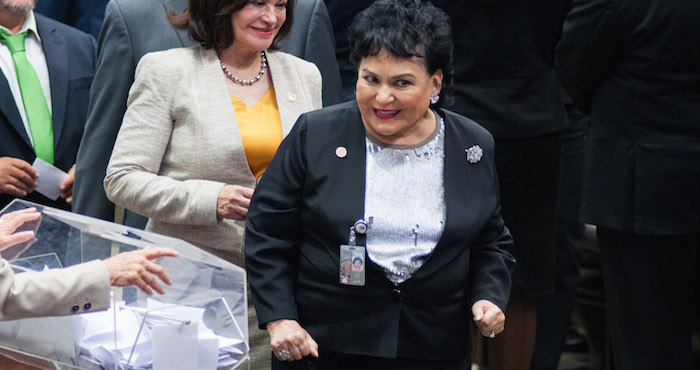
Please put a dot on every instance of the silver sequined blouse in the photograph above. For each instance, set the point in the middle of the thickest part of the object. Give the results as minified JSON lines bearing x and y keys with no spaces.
{"x":405,"y":199}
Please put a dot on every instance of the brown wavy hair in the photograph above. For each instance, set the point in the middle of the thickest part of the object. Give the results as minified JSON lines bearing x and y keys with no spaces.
{"x":209,"y":22}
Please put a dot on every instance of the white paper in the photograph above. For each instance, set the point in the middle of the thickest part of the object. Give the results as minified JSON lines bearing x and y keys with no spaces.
{"x":175,"y":347}
{"x":185,"y":332}
{"x":50,"y":179}
{"x":208,"y":353}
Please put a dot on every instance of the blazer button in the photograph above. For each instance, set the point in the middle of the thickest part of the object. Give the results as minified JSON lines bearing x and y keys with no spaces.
{"x":75,"y":308}
{"x":87,"y":306}
{"x":292,"y":97}
{"x":397,"y":294}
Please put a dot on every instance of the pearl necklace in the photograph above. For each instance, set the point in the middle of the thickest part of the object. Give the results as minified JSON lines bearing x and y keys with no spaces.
{"x":246,"y":82}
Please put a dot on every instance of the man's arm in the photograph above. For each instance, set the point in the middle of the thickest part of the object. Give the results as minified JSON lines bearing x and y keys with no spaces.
{"x":587,"y":49}
{"x":312,"y":39}
{"x":110,"y":88}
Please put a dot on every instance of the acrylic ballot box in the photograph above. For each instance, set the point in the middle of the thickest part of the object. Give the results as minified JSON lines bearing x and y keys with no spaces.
{"x":200,"y":323}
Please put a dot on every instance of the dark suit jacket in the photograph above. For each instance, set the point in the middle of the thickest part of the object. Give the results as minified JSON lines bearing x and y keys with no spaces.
{"x":70,"y":56}
{"x":635,"y":64}
{"x":312,"y":39}
{"x":503,"y":60}
{"x":133,"y":28}
{"x":301,"y":213}
{"x":503,"y":56}
{"x":85,"y":15}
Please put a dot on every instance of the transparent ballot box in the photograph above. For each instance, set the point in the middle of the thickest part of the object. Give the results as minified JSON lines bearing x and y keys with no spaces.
{"x":200,"y":323}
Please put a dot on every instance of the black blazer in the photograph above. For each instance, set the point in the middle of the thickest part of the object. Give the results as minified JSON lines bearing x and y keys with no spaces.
{"x":635,"y":65}
{"x":301,"y":213}
{"x":70,"y":56}
{"x":503,"y":60}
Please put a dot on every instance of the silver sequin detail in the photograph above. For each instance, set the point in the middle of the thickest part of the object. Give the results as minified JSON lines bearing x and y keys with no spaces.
{"x":405,"y":197}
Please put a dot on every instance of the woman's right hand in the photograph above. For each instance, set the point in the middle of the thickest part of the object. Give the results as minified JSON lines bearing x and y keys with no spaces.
{"x":233,"y":202}
{"x":288,"y":338}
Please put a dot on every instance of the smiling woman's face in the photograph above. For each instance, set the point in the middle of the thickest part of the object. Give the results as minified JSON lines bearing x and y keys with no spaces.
{"x":257,"y":23}
{"x":393,"y":95}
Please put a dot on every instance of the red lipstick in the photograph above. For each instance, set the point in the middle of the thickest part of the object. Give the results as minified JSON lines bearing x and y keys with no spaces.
{"x":385,"y":114}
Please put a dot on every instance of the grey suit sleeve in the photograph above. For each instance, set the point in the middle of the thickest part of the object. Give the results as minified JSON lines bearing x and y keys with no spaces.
{"x":312,"y":39}
{"x":587,"y":49}
{"x":110,"y":87}
{"x":76,"y":289}
{"x":320,"y":49}
{"x":133,"y":178}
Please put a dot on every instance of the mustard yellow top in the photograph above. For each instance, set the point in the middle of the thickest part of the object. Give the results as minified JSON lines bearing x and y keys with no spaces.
{"x":261,"y":130}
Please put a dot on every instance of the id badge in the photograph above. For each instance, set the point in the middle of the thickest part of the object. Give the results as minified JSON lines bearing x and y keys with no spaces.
{"x":352,"y":265}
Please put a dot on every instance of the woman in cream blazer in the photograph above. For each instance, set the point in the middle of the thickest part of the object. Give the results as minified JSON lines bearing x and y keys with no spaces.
{"x":180,"y":143}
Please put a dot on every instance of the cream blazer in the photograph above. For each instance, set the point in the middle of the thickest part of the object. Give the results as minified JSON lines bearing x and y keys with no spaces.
{"x":179,"y":142}
{"x":77,"y":289}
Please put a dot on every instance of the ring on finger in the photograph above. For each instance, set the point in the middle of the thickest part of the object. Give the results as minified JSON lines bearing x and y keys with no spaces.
{"x":492,"y":334}
{"x":285,"y":355}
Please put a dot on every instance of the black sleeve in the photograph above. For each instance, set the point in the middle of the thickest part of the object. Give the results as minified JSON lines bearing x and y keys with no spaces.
{"x":273,"y":229}
{"x":588,"y":48}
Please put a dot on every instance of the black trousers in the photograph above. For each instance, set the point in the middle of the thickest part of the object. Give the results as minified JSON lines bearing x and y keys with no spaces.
{"x":652,"y":286}
{"x":338,"y":361}
{"x":554,"y":310}
{"x":528,"y":173}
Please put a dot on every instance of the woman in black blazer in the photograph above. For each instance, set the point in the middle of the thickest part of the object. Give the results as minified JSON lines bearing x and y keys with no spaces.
{"x":406,"y":187}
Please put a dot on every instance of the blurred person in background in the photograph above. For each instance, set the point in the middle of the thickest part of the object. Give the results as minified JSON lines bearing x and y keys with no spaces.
{"x":635,"y":66}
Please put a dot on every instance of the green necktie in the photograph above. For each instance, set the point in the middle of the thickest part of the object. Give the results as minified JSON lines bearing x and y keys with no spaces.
{"x":33,"y":97}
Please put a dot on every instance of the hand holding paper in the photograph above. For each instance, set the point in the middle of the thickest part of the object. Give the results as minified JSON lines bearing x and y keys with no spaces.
{"x":51,"y":179}
{"x":66,"y":186}
{"x":17,"y":177}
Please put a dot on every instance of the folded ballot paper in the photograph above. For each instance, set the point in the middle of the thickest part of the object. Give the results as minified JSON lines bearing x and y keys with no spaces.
{"x":159,"y":336}
{"x":200,"y":323}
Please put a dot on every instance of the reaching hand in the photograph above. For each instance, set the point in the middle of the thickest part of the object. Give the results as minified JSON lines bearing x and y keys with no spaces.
{"x":489,"y":319}
{"x":9,"y":222}
{"x":136,"y":268}
{"x":233,"y":202}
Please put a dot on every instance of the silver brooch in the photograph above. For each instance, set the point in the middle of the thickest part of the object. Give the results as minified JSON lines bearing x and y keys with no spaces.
{"x":474,"y":154}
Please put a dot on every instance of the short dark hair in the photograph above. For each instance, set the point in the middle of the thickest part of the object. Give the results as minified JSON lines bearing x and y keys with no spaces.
{"x":405,"y":29}
{"x":209,"y":22}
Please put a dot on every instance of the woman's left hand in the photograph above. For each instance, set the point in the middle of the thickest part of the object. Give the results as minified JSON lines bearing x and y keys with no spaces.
{"x":290,"y":341}
{"x":488,"y":318}
{"x":9,"y":222}
{"x":233,"y":202}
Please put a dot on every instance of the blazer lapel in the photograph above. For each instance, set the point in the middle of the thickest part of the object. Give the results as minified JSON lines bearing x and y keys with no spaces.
{"x":210,"y":87}
{"x":57,"y":61}
{"x":462,"y":203}
{"x":291,"y":100}
{"x":177,"y":6}
{"x":8,"y":108}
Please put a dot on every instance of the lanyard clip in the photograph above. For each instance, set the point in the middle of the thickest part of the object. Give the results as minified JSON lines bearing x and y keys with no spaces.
{"x":360,"y":227}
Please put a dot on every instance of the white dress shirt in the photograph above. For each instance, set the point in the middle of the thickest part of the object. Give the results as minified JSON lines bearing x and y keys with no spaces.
{"x":35,"y":54}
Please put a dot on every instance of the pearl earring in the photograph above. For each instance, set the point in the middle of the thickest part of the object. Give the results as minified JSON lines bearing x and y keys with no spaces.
{"x":434,"y":98}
